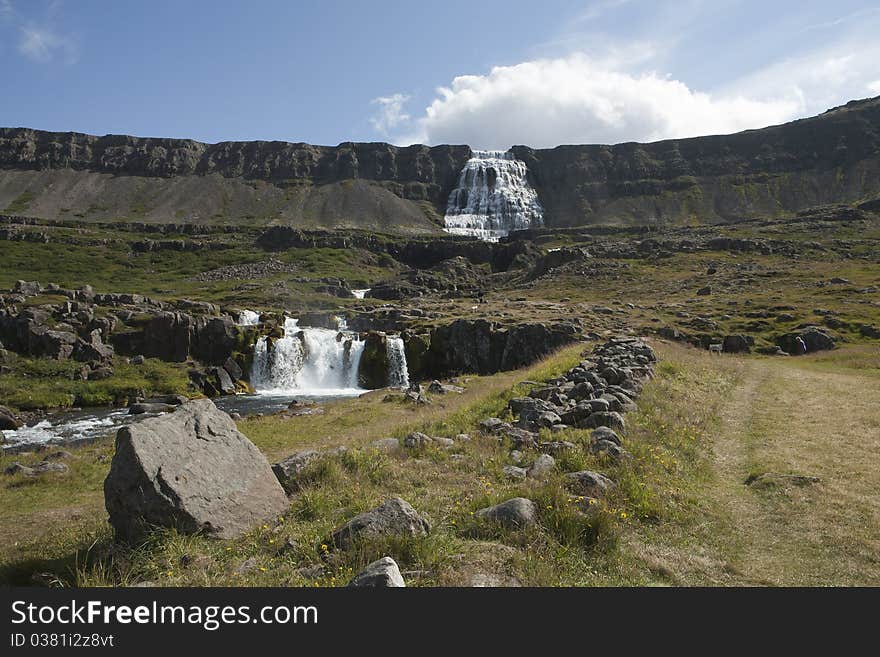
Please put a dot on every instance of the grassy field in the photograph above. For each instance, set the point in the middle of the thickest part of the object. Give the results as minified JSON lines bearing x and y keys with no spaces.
{"x":682,"y":513}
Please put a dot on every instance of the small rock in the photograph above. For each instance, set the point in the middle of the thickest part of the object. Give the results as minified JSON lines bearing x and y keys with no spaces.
{"x":382,"y":573}
{"x":394,"y":517}
{"x":416,"y":440}
{"x":514,"y":472}
{"x":587,"y":482}
{"x":543,"y":465}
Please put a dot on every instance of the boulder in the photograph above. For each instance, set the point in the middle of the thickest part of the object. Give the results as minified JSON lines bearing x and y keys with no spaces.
{"x":515,"y":513}
{"x":395,"y":517}
{"x":191,"y":470}
{"x":543,"y":466}
{"x":382,"y":573}
{"x":416,"y":440}
{"x":27,"y":288}
{"x":605,"y":433}
{"x":736,"y":344}
{"x":8,"y":420}
{"x":288,"y":470}
{"x":814,"y":337}
{"x":588,"y":483}
{"x":93,"y":349}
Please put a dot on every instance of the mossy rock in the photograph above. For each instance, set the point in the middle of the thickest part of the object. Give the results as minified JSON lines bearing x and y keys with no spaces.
{"x":373,"y":368}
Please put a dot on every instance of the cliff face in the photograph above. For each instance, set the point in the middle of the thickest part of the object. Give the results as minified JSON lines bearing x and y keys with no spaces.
{"x":831,"y":158}
{"x":358,"y":185}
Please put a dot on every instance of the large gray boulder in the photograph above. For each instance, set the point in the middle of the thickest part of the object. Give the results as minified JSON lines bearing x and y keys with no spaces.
{"x":191,"y":470}
{"x":382,"y":573}
{"x":395,"y":517}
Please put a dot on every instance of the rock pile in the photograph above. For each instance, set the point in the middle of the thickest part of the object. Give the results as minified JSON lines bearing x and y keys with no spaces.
{"x":593,"y":395}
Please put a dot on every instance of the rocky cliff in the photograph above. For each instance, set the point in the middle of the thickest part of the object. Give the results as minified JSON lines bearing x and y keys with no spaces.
{"x":831,"y":158}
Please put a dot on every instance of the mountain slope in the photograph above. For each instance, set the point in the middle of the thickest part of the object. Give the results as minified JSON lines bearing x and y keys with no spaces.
{"x":831,"y":158}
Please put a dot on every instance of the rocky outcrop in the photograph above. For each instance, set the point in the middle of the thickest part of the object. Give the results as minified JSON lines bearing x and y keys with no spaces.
{"x":829,"y":158}
{"x":373,"y":367}
{"x":193,"y":471}
{"x":484,"y":347}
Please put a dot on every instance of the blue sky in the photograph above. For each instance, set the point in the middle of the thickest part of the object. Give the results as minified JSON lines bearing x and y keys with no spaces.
{"x":487,"y":73}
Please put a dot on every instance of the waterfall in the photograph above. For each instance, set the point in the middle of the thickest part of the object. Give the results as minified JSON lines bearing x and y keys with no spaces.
{"x":398,"y":375}
{"x":493,"y":197}
{"x":248,"y":318}
{"x":360,"y":294}
{"x":308,"y":361}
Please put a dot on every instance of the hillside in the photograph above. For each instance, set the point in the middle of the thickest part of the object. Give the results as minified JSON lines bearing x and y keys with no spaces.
{"x":830,"y":158}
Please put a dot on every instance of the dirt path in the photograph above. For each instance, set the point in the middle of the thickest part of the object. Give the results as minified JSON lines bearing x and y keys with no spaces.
{"x":788,"y":418}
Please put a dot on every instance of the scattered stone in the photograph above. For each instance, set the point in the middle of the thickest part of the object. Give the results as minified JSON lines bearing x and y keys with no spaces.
{"x":589,"y":483}
{"x":382,"y":573}
{"x":416,"y":440}
{"x":556,"y":447}
{"x":543,"y":466}
{"x":491,"y":425}
{"x":288,"y":470}
{"x":516,"y":513}
{"x":462,"y":438}
{"x":191,"y":470}
{"x":605,"y":433}
{"x":42,"y":467}
{"x":438,"y":388}
{"x":395,"y":517}
{"x":514,"y":472}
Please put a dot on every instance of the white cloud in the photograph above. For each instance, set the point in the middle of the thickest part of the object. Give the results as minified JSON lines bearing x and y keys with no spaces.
{"x":874,"y":87}
{"x":390,"y":114}
{"x":43,"y":44}
{"x":577,"y":99}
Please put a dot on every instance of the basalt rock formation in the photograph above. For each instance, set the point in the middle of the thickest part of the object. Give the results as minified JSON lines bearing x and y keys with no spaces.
{"x":830,"y":158}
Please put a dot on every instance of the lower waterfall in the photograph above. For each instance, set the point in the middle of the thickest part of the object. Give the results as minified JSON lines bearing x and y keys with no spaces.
{"x":398,"y":374}
{"x":308,"y":361}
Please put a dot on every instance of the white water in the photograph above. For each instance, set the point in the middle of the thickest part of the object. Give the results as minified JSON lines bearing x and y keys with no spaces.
{"x":69,"y":427}
{"x":308,"y":361}
{"x":493,"y":197}
{"x":248,"y":318}
{"x":360,"y":294}
{"x":398,"y":374}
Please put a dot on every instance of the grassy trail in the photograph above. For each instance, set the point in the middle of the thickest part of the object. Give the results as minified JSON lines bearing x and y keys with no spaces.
{"x":789,"y":417}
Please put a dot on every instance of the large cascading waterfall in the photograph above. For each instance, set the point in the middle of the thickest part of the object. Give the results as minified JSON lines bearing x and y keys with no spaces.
{"x":308,"y":361}
{"x":398,"y":374}
{"x":493,"y":197}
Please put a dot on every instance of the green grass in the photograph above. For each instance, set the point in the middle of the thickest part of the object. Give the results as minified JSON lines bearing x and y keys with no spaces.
{"x":36,"y":383}
{"x":568,"y":547}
